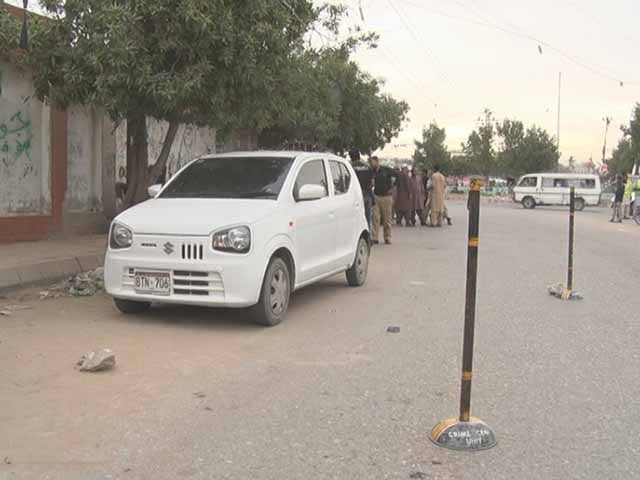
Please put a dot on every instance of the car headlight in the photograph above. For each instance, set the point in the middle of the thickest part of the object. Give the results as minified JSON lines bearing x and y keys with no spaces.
{"x":121,"y":236}
{"x":235,"y":240}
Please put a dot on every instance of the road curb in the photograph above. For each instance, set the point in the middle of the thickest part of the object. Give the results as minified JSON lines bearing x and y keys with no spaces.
{"x":26,"y":275}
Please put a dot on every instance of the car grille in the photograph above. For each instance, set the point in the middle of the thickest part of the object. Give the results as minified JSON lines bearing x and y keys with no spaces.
{"x":197,"y":283}
{"x":192,"y":251}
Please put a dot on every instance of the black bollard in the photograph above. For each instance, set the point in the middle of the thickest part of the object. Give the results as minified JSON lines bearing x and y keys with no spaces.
{"x":565,"y":292}
{"x":467,"y":432}
{"x":572,"y":216}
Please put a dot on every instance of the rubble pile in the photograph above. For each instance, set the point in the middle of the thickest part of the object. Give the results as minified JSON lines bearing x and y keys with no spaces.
{"x":81,"y":285}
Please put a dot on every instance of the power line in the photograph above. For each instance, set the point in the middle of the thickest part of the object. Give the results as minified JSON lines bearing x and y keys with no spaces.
{"x":516,"y":31}
{"x":417,"y":39}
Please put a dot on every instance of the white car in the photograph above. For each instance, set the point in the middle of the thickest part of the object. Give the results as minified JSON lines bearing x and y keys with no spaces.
{"x":240,"y":230}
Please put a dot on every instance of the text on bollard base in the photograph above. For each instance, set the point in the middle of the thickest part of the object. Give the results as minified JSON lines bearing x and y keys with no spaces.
{"x":454,"y":434}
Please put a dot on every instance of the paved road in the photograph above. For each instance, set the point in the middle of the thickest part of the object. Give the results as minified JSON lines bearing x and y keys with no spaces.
{"x":329,"y":394}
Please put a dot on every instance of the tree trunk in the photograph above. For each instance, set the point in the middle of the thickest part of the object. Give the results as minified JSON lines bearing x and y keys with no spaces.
{"x":137,"y":160}
{"x":161,"y":162}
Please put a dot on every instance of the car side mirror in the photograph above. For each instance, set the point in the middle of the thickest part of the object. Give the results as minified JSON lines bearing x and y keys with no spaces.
{"x":154,"y":190}
{"x":311,"y":192}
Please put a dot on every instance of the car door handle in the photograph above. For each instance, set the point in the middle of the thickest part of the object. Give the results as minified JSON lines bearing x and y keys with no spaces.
{"x":332,"y":215}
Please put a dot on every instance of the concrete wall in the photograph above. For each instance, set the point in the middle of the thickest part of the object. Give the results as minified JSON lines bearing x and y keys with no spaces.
{"x":90,"y":198}
{"x":25,"y":153}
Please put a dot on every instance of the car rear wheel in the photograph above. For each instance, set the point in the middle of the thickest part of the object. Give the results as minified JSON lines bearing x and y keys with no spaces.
{"x":357,"y":274}
{"x":131,"y":307}
{"x":579,"y":204}
{"x":274,"y":296}
{"x":528,"y":203}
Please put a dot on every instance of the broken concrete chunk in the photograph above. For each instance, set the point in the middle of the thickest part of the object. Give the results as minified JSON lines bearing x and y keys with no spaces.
{"x":97,"y":361}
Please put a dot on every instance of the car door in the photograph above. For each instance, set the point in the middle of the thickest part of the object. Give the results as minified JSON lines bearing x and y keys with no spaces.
{"x":314,"y":223}
{"x":347,"y":206}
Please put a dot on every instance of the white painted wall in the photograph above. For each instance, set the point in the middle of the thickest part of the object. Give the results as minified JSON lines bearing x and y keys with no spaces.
{"x":84,"y":159}
{"x":25,"y":152}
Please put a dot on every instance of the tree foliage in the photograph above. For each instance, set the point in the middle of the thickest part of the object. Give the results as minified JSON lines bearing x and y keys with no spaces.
{"x":479,"y":147}
{"x":432,"y":149}
{"x":525,"y":151}
{"x":220,"y":63}
{"x":328,"y":101}
{"x":627,"y":154}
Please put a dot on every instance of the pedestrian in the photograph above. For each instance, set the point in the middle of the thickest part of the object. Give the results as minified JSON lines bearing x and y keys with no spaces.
{"x":419,"y":197}
{"x":365,"y":179}
{"x":383,"y":181}
{"x":439,"y":186}
{"x":404,"y":198}
{"x":428,"y":188}
{"x":628,"y":193}
{"x":617,"y":200}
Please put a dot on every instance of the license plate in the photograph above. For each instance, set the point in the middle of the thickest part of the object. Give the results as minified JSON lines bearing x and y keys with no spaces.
{"x":152,"y":283}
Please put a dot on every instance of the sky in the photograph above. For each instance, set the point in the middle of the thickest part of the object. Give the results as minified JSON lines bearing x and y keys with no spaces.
{"x":451,"y":59}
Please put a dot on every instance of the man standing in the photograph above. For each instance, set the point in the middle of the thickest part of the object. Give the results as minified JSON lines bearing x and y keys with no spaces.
{"x":419,"y":200}
{"x":628,"y":193}
{"x":404,"y":198}
{"x":439,"y":186}
{"x":383,"y":179}
{"x":617,"y":201}
{"x":365,"y":179}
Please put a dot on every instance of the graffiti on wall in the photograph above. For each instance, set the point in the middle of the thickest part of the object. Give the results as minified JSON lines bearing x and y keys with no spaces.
{"x":16,"y":136}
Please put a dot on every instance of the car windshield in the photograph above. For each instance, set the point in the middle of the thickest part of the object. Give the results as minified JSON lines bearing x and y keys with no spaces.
{"x":231,"y":177}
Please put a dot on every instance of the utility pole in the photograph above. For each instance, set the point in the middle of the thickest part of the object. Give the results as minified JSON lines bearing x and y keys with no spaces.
{"x":559,"y":102}
{"x":607,"y":122}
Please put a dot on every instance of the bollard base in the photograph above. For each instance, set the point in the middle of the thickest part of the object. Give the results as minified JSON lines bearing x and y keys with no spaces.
{"x":473,"y":435}
{"x":561,"y":292}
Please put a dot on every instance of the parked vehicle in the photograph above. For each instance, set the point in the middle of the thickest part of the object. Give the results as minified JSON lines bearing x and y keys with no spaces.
{"x":240,"y":230}
{"x":553,"y":189}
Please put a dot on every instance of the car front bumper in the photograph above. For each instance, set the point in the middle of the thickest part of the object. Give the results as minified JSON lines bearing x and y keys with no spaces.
{"x":207,"y":278}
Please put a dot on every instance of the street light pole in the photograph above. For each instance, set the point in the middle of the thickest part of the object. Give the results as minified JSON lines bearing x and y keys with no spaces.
{"x":24,"y":34}
{"x":559,"y":103}
{"x":607,"y":122}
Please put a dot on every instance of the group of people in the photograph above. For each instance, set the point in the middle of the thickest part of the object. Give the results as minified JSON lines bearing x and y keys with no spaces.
{"x":401,"y":194}
{"x":626,"y":187}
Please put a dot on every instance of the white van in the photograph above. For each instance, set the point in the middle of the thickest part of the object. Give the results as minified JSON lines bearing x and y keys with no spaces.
{"x":553,"y":189}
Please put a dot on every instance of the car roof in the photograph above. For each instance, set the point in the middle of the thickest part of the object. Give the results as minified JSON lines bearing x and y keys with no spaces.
{"x":562,"y":175}
{"x":272,"y":154}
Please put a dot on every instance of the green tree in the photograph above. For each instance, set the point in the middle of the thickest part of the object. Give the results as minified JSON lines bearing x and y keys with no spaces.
{"x":205,"y":62}
{"x":432,"y":150}
{"x":328,"y":101}
{"x":623,"y":159}
{"x":627,"y":154}
{"x":525,"y":151}
{"x":479,"y":147}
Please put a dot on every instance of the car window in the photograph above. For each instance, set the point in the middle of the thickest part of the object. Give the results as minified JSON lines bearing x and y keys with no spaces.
{"x":528,"y":182}
{"x":346,"y":175}
{"x":554,"y":182}
{"x":311,"y":173}
{"x":231,"y":177}
{"x":341,"y":177}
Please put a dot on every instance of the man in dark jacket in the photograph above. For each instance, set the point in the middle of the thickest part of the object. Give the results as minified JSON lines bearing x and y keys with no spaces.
{"x":617,"y":201}
{"x":365,"y":179}
{"x":383,"y":181}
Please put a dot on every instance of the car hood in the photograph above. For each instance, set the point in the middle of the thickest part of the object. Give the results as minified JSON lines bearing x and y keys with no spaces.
{"x":193,"y":216}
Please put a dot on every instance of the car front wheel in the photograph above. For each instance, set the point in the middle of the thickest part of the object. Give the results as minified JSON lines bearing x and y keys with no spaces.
{"x":130,"y":307}
{"x":528,"y":203}
{"x":357,"y":274}
{"x":274,"y":296}
{"x":579,"y":204}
